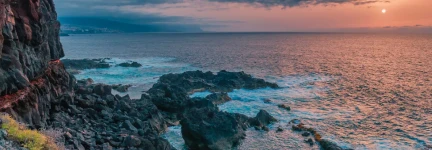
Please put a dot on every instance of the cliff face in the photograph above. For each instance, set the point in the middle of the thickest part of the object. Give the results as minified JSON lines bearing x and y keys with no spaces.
{"x":29,"y":42}
{"x":31,"y":77}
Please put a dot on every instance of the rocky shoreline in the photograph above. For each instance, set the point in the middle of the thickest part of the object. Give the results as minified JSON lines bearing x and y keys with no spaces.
{"x":96,"y":119}
{"x":37,"y":90}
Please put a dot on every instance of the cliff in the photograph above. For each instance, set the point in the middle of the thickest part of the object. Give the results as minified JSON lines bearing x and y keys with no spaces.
{"x":30,"y":74}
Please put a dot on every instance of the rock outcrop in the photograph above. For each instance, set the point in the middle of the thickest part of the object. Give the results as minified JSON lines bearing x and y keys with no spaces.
{"x":208,"y":129}
{"x":106,"y":120}
{"x":171,"y":93}
{"x":218,"y":98}
{"x":203,"y":125}
{"x":130,"y":64}
{"x":80,"y":64}
{"x":262,"y":119}
{"x":33,"y":104}
{"x":29,"y":42}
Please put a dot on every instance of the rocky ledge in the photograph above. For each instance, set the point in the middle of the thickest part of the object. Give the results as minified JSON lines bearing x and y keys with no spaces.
{"x":74,"y":66}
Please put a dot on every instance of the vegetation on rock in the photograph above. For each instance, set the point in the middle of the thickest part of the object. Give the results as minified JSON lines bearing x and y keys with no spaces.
{"x":30,"y":139}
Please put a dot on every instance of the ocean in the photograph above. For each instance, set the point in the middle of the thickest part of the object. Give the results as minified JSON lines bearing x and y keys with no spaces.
{"x":362,"y":91}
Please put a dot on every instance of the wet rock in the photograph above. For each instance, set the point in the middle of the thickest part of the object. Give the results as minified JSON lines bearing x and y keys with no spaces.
{"x":218,"y":98}
{"x":295,"y":121}
{"x":262,"y":119}
{"x":279,"y":129}
{"x":257,"y":128}
{"x":208,"y":129}
{"x":303,"y":127}
{"x":305,"y":134}
{"x":310,"y":142}
{"x":171,"y":93}
{"x":285,"y":106}
{"x":102,"y":89}
{"x":81,"y":64}
{"x":121,"y":88}
{"x":265,"y":128}
{"x":329,"y":145}
{"x":130,"y":64}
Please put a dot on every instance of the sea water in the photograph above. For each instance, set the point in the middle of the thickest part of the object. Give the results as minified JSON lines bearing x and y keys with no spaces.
{"x":362,"y":91}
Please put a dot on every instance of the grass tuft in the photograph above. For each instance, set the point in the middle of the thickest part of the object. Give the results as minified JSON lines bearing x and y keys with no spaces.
{"x":30,"y":139}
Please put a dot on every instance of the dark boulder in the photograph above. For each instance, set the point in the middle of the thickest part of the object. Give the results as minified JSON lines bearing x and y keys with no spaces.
{"x":102,"y":89}
{"x":310,"y":141}
{"x":130,"y":64}
{"x":169,"y":98}
{"x":171,"y":92}
{"x":209,"y":129}
{"x":223,"y":81}
{"x":81,"y":64}
{"x":306,"y":134}
{"x":285,"y":106}
{"x":262,"y":119}
{"x":218,"y":98}
{"x":329,"y":145}
{"x":121,"y":88}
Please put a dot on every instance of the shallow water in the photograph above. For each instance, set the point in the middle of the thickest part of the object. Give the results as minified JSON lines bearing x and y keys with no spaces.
{"x":141,"y":78}
{"x":363,"y":91}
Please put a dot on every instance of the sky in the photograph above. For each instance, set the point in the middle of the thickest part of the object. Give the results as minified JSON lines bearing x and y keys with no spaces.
{"x":261,"y":15}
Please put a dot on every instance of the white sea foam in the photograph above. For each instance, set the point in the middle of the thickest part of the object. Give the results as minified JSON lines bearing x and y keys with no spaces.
{"x":174,"y":136}
{"x":141,"y":78}
{"x":294,"y":89}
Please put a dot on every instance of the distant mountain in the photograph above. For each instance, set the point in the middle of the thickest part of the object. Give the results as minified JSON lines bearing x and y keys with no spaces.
{"x":77,"y":25}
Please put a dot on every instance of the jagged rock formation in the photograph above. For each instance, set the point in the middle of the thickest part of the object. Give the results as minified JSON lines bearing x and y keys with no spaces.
{"x":33,"y":104}
{"x":96,"y":119}
{"x":203,"y":125}
{"x":29,"y":42}
{"x":171,"y":93}
{"x":30,"y":74}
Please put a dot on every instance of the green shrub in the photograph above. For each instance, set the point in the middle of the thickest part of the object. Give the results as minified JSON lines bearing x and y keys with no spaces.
{"x":30,"y":139}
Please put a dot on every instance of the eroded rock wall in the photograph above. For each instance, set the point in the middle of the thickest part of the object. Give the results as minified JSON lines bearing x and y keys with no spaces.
{"x":29,"y":41}
{"x":31,"y":76}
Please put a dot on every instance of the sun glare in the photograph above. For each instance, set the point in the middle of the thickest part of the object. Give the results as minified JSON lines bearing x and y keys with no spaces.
{"x":384,"y":11}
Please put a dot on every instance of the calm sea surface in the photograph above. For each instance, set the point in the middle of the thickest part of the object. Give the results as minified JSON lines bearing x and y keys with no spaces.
{"x":363,"y":91}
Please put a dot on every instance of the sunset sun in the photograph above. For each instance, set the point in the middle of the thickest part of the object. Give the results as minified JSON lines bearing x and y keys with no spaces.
{"x":384,"y":11}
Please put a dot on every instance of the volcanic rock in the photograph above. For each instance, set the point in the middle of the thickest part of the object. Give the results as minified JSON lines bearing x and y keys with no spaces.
{"x":262,"y":119}
{"x":208,"y":129}
{"x":121,"y":88}
{"x":218,"y":98}
{"x":285,"y":106}
{"x":130,"y":64}
{"x":81,"y":64}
